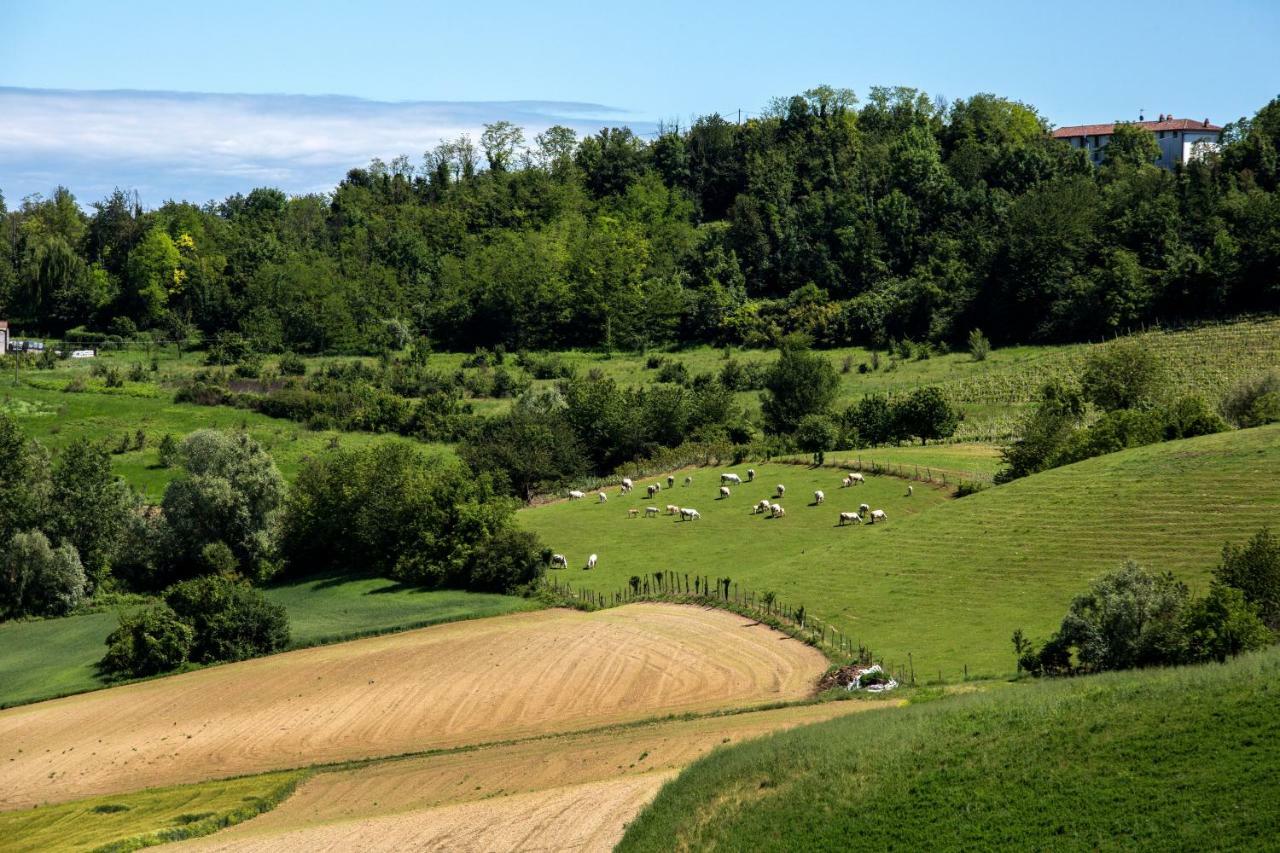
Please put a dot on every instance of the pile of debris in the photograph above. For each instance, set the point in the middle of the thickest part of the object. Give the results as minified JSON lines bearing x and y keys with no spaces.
{"x":855,"y":676}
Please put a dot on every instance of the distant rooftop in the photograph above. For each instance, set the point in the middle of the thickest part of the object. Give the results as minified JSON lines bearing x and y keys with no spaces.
{"x":1163,"y":123}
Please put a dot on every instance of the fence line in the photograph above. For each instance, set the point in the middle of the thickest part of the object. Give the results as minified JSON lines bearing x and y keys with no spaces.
{"x":919,"y":473}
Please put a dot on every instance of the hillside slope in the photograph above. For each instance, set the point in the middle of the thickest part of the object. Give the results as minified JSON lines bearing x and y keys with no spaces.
{"x":944,"y":580}
{"x":1177,"y":759}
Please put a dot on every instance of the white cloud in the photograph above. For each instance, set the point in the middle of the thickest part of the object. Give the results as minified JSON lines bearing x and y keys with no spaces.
{"x":203,"y":146}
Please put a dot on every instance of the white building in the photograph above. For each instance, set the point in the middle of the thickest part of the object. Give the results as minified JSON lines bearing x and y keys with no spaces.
{"x":1181,"y":140}
{"x":4,"y":336}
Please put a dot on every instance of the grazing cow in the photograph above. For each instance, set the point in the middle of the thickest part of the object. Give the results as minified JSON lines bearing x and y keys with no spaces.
{"x":782,"y":490}
{"x":603,"y":497}
{"x":652,"y":489}
{"x":591,"y":561}
{"x":856,"y":479}
{"x":777,"y":511}
{"x":910,"y":491}
{"x":671,"y":481}
{"x":575,"y":495}
{"x":763,"y":506}
{"x":878,"y":515}
{"x":846,"y":517}
{"x":688,"y":481}
{"x":672,"y":509}
{"x":633,"y":513}
{"x":724,"y":491}
{"x":731,"y":478}
{"x":651,"y":512}
{"x":627,"y":484}
{"x":845,"y":482}
{"x":687,"y":514}
{"x":751,"y":474}
{"x":559,"y":561}
{"x":819,"y":497}
{"x":863,"y":509}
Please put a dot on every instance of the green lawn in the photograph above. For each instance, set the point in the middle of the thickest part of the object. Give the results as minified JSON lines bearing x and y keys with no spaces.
{"x":1185,"y":759}
{"x":145,"y":818}
{"x":52,"y":657}
{"x":955,"y":461}
{"x":946,"y":581}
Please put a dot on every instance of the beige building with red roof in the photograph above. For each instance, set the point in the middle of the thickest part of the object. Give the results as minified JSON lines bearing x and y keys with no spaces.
{"x":1181,"y":140}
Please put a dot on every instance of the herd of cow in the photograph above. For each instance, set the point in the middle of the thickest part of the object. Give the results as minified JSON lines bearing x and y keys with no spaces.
{"x":766,"y":506}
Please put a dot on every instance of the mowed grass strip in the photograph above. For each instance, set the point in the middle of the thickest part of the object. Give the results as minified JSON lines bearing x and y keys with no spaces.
{"x":1183,"y":759}
{"x":945,"y":581}
{"x":44,"y":658}
{"x":144,"y":818}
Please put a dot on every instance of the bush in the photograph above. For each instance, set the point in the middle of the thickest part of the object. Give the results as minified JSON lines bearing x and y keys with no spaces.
{"x":292,"y":364}
{"x":926,"y":414}
{"x":148,"y":642}
{"x":37,"y":579}
{"x":979,"y":346}
{"x":1222,"y":625}
{"x":229,"y":619}
{"x":675,"y":372}
{"x":1254,"y":402}
{"x":1123,"y":375}
{"x":1254,"y":569}
{"x":816,"y":434}
{"x":801,"y":382}
{"x":509,"y":559}
{"x":168,"y":451}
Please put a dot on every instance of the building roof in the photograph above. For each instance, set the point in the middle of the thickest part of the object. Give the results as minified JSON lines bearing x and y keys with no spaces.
{"x":1107,"y":129}
{"x":4,"y":325}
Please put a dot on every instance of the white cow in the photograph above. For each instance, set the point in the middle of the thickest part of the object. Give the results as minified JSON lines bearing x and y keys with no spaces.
{"x":672,"y":509}
{"x":687,"y":514}
{"x":632,"y":512}
{"x":777,"y":511}
{"x":763,"y":506}
{"x":724,"y":491}
{"x":751,"y":474}
{"x":652,"y":489}
{"x":856,"y":479}
{"x":603,"y":497}
{"x":863,"y":509}
{"x":575,"y":495}
{"x":688,"y":481}
{"x":910,"y":491}
{"x":559,"y":560}
{"x":591,"y":561}
{"x":650,"y":512}
{"x":846,"y":517}
{"x":627,"y":484}
{"x":671,"y":481}
{"x":782,"y":490}
{"x":819,"y":497}
{"x":731,"y":478}
{"x":878,"y":515}
{"x":845,"y":482}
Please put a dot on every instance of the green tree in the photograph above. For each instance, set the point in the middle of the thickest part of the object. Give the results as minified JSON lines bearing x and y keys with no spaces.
{"x":1123,"y":375}
{"x":1222,"y":625}
{"x":1131,"y":145}
{"x":89,"y":507}
{"x":1254,"y":569}
{"x":500,"y":141}
{"x":154,"y":274}
{"x":925,"y":413}
{"x":38,"y":579}
{"x":532,"y":448}
{"x":147,"y":642}
{"x":801,"y":382}
{"x":229,"y":619}
{"x":816,"y":434}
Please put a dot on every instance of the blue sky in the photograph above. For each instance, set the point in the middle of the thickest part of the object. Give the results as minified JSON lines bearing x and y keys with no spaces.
{"x":580,"y":63}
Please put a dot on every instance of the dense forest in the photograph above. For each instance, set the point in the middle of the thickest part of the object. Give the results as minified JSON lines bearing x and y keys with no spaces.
{"x":851,"y":222}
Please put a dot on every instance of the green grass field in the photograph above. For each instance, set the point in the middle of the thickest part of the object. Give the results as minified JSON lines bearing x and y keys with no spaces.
{"x":946,"y":581}
{"x":52,"y":657}
{"x":1183,"y":759}
{"x":144,"y":818}
{"x":932,"y":461}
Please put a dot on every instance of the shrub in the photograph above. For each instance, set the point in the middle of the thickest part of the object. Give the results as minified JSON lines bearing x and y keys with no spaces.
{"x":1222,"y":625}
{"x":979,"y":346}
{"x":654,"y":361}
{"x":1122,"y":375}
{"x":801,"y":382}
{"x":816,"y":434}
{"x":925,"y":413}
{"x":168,"y":451}
{"x":250,"y":367}
{"x":40,"y":580}
{"x":148,"y":642}
{"x":1254,"y":402}
{"x":229,"y":619}
{"x":137,"y":373}
{"x":675,"y":372}
{"x":292,"y":364}
{"x":1254,"y":569}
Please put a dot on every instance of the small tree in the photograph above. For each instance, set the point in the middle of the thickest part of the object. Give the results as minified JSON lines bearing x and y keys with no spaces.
{"x":800,"y":383}
{"x":1222,"y":625}
{"x":38,"y":579}
{"x":1131,"y":145}
{"x":1123,"y":375}
{"x":816,"y":434}
{"x":1254,"y":569}
{"x":148,"y":642}
{"x":927,"y":414}
{"x":229,"y":619}
{"x":979,"y":346}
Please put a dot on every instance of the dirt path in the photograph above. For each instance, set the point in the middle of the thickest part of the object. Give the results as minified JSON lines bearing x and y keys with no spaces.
{"x":464,"y":683}
{"x":569,"y":792}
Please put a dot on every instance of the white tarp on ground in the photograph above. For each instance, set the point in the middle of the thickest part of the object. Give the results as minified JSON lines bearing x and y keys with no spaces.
{"x":856,"y":684}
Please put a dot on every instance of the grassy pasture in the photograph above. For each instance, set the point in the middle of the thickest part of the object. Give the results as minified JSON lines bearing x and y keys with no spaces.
{"x":944,"y":580}
{"x":956,"y":461}
{"x":1179,"y":759}
{"x":144,"y":818}
{"x":52,"y":657}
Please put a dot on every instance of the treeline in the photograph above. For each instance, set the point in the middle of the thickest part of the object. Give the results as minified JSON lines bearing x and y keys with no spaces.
{"x":71,"y":531}
{"x":853,"y":223}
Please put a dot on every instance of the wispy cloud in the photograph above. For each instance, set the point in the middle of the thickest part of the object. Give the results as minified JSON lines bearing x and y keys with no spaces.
{"x":198,"y":146}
